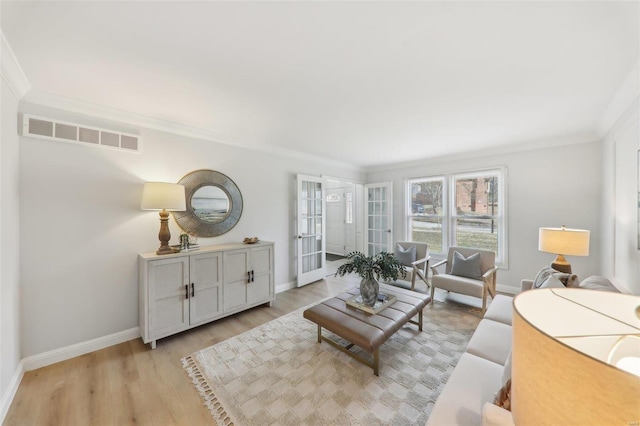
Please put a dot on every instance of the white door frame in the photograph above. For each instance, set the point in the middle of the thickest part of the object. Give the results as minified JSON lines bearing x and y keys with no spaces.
{"x":310,"y":228}
{"x":378,"y":217}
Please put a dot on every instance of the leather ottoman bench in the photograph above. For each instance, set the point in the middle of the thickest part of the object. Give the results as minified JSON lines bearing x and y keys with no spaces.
{"x":365,"y":330}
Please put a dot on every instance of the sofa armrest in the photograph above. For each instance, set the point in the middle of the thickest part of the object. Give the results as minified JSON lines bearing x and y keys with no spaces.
{"x":433,"y":267}
{"x":489,"y":272}
{"x":424,"y":260}
{"x":492,"y":415}
{"x":526,"y":285}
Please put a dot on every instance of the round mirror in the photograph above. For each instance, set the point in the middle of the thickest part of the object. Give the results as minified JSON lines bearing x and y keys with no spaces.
{"x":214,"y":204}
{"x":210,"y":204}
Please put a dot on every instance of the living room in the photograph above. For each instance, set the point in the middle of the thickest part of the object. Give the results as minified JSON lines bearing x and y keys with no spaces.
{"x":71,"y":226}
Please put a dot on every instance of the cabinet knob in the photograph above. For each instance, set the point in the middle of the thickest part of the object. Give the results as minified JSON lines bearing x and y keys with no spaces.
{"x":186,"y":291}
{"x":193,"y":290}
{"x":248,"y":277}
{"x":252,"y":276}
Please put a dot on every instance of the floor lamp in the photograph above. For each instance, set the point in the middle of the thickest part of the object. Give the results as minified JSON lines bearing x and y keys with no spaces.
{"x":164,"y":197}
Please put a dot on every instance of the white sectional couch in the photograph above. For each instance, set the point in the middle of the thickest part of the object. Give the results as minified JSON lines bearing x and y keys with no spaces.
{"x":479,"y":373}
{"x":467,"y":398}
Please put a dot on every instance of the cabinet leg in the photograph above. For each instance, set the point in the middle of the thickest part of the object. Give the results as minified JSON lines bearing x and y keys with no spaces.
{"x":270,"y":303}
{"x":153,"y":344}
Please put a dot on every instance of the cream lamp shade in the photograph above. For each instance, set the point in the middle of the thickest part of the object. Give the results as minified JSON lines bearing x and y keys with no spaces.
{"x":574,"y":357}
{"x":563,"y":241}
{"x":164,"y":197}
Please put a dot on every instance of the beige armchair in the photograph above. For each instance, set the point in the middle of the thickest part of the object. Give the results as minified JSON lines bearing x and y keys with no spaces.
{"x":481,"y":286}
{"x":420,"y":265}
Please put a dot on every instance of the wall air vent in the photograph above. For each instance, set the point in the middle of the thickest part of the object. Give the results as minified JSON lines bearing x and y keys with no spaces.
{"x":46,"y":128}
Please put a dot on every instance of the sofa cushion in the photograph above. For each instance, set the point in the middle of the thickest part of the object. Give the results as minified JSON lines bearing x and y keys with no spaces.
{"x":500,"y":309}
{"x":491,"y":341}
{"x":506,"y":373}
{"x":596,"y":282}
{"x":492,"y":415}
{"x":473,"y":382}
{"x":406,"y":256}
{"x":503,"y":396}
{"x":466,"y":266}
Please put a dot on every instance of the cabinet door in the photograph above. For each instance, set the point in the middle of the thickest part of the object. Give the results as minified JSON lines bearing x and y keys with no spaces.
{"x":259,"y":290}
{"x":205,"y":289}
{"x":168,"y":300}
{"x":236,"y":278}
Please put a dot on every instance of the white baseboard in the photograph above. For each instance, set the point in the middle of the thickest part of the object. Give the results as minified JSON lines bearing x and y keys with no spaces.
{"x":507,"y":289}
{"x":68,"y":352}
{"x":286,"y":286}
{"x":10,"y":392}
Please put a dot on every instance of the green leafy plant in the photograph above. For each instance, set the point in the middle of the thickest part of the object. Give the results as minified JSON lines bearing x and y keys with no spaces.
{"x":383,"y":265}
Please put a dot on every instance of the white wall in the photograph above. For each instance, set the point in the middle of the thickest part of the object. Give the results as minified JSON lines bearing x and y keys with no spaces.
{"x":82,"y":226}
{"x":546,"y":187}
{"x":621,"y":261}
{"x":9,"y":244}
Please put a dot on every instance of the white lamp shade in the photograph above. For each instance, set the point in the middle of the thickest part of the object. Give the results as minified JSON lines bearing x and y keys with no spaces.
{"x":560,"y":373}
{"x":161,"y":195}
{"x":573,"y":242}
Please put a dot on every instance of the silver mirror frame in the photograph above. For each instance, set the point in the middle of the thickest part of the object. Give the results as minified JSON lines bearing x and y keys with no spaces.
{"x":189,"y":222}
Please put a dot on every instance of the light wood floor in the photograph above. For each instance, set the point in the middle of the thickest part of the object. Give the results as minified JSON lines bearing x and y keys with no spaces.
{"x":131,"y":384}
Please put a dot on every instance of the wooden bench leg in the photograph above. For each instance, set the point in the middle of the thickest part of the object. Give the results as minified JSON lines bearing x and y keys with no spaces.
{"x":319,"y":334}
{"x":376,"y":362}
{"x":420,"y":321}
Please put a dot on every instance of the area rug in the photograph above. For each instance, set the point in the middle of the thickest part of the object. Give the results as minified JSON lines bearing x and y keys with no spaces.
{"x":278,"y":373}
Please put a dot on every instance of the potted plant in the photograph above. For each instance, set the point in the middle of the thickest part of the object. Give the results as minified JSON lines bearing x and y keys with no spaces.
{"x":371,"y":268}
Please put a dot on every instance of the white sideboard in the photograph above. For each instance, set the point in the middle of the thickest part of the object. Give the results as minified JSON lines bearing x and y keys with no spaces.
{"x":183,"y":290}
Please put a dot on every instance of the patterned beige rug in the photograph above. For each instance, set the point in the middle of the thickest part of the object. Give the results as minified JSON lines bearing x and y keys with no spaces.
{"x":277,"y":373}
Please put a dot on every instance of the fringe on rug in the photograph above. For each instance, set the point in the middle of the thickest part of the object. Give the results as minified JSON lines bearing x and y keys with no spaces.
{"x":215,"y":407}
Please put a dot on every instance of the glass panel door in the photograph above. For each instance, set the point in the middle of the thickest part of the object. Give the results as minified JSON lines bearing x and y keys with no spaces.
{"x":378,"y":205}
{"x":311,"y":230}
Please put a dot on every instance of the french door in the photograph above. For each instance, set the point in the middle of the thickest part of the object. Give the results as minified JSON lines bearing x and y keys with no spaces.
{"x":379,"y":220}
{"x":311,"y":223}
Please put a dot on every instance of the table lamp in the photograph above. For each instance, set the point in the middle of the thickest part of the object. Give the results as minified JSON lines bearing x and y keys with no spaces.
{"x":563,"y":241}
{"x":575,"y":358}
{"x":165,"y":197}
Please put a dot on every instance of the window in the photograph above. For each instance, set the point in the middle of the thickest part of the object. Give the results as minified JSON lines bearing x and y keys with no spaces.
{"x":426,"y":217}
{"x":348,"y":205}
{"x":465,"y":209}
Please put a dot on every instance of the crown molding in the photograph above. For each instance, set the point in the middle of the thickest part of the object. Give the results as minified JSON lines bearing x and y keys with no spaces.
{"x":76,"y":106}
{"x":11,"y":70}
{"x":531,"y":145}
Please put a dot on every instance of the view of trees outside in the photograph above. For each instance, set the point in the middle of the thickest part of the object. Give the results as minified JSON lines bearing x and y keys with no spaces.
{"x":476,"y":208}
{"x":475,"y":217}
{"x":428,"y":214}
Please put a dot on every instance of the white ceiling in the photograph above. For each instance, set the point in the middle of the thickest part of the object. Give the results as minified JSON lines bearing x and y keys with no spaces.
{"x":364,"y":82}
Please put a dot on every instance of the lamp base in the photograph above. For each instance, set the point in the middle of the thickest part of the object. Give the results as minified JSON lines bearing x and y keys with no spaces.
{"x":560,"y":264}
{"x":164,"y":235}
{"x":165,"y":249}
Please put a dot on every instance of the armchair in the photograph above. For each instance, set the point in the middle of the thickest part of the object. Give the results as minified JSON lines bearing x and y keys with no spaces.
{"x":483,"y":284}
{"x":417,"y":266}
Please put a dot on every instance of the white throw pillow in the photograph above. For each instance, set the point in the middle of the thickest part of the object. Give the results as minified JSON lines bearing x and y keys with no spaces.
{"x":552,"y":282}
{"x":492,"y":415}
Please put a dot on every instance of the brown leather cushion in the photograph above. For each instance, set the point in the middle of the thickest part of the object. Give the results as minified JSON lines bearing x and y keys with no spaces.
{"x":363,"y":329}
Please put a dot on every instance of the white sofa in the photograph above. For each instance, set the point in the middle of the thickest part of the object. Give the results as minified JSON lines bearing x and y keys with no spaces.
{"x":478,"y":375}
{"x":467,"y":398}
